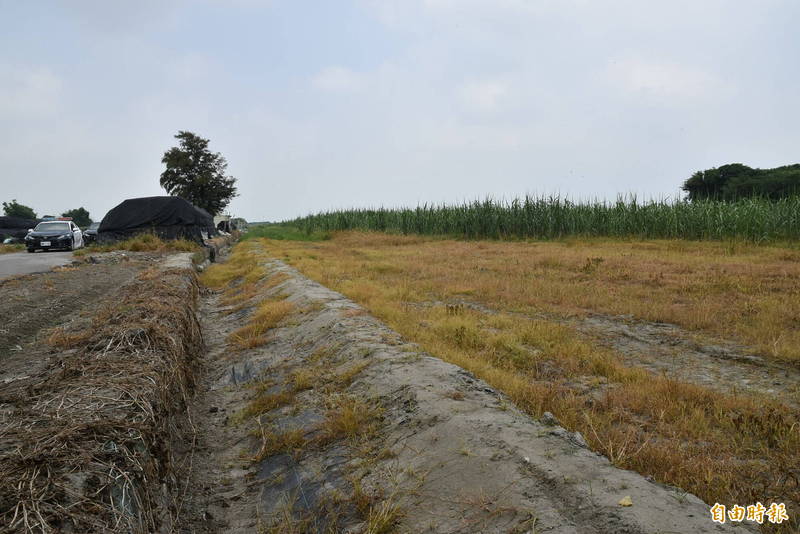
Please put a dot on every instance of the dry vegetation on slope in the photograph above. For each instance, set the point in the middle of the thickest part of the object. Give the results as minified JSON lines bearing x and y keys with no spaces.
{"x":337,"y":424}
{"x":244,"y":278}
{"x":731,"y":448}
{"x":144,"y":242}
{"x":91,"y":441}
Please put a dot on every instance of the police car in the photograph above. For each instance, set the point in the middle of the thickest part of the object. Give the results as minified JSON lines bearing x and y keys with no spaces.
{"x":61,"y":234}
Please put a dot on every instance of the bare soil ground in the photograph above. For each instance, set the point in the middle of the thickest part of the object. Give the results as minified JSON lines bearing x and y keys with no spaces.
{"x":32,"y":304}
{"x":336,"y":424}
{"x":670,"y":350}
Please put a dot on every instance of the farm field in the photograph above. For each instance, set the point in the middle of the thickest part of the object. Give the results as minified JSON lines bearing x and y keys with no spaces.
{"x":677,"y":359}
{"x":325,"y":419}
{"x":275,"y":404}
{"x":753,"y":219}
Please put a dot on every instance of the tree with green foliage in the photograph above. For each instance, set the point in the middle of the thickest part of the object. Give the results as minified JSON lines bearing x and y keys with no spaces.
{"x":735,"y":181}
{"x":197,"y":174}
{"x":80,"y":216}
{"x":15,"y":209}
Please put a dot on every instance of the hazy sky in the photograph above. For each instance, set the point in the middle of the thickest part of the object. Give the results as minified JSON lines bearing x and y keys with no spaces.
{"x":327,"y":104}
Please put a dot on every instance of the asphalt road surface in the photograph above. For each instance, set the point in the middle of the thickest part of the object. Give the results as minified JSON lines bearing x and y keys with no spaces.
{"x":25,"y":263}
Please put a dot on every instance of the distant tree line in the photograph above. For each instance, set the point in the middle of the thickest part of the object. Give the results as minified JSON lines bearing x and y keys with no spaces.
{"x":80,"y":215}
{"x":736,"y":181}
{"x":15,"y":209}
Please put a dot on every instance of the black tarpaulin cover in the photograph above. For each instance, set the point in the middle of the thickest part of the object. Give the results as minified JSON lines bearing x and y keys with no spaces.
{"x":167,"y":217}
{"x":15,"y":226}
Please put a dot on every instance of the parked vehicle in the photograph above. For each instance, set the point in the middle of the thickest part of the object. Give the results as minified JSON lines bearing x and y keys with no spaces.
{"x":90,"y":234}
{"x":52,"y":235}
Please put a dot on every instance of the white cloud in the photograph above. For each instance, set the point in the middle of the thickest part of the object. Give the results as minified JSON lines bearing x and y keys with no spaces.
{"x":191,"y":67}
{"x":338,"y":80}
{"x":665,"y":81}
{"x":483,"y":96}
{"x":483,"y":138}
{"x":509,"y":6}
{"x":28,"y":92}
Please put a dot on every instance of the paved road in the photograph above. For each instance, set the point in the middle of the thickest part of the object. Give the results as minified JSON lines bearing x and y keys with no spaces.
{"x":26,"y":263}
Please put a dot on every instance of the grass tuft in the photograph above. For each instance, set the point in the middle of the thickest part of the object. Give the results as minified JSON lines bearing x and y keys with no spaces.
{"x":303,"y":378}
{"x":272,"y":443}
{"x":263,"y":403}
{"x":349,"y":418}
{"x":383,"y":517}
{"x":6,"y":249}
{"x":267,"y":316}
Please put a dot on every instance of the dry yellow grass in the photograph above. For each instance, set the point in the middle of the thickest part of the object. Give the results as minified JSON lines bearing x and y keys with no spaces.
{"x":240,"y":296}
{"x":243,"y":262}
{"x":267,"y":316}
{"x":62,"y":338}
{"x":383,"y":517}
{"x":272,"y":443}
{"x":7,"y":249}
{"x":305,"y":378}
{"x":722,"y":447}
{"x":738,"y":291}
{"x":144,"y":242}
{"x":349,"y":418}
{"x":262,"y":403}
{"x":243,"y":279}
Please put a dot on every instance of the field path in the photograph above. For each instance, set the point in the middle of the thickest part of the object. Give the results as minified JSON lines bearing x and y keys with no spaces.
{"x":437,"y":450}
{"x":17,"y":263}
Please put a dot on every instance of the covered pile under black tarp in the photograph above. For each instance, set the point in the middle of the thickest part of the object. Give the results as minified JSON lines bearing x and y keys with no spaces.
{"x":15,"y":226}
{"x":167,"y":217}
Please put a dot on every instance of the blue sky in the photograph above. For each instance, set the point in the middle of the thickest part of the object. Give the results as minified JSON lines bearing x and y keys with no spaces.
{"x":319,"y":105}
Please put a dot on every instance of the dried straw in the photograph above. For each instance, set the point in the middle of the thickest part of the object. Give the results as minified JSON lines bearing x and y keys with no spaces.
{"x":99,"y":441}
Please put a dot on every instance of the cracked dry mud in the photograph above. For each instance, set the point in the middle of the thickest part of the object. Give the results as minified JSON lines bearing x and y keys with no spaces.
{"x":670,"y":350}
{"x":447,"y":452}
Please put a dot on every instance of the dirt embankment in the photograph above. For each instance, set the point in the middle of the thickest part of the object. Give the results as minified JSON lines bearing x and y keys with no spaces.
{"x":93,"y":438}
{"x":335,"y":424}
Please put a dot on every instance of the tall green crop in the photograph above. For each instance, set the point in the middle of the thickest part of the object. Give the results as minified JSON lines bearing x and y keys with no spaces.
{"x":753,"y":219}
